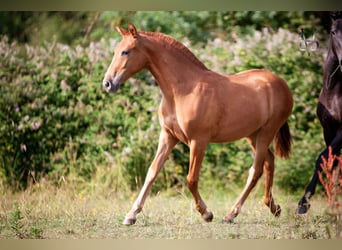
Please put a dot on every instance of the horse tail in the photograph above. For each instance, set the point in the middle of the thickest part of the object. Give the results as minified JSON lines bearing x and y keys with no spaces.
{"x":283,"y":141}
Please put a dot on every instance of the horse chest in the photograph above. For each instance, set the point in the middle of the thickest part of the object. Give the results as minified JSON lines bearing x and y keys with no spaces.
{"x":333,"y":104}
{"x":336,"y":108}
{"x":172,"y":125}
{"x":169,"y":120}
{"x":182,"y":121}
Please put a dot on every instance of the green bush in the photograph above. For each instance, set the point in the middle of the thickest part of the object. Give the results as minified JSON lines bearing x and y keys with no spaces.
{"x":47,"y":105}
{"x":75,"y":28}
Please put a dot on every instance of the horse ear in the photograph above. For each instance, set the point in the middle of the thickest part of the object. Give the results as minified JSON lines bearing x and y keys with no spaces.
{"x":121,"y":30}
{"x":132,"y":30}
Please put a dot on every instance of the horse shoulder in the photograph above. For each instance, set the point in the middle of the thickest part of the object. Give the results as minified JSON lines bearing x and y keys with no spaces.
{"x":169,"y":120}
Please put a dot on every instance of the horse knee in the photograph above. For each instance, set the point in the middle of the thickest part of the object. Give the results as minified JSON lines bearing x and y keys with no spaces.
{"x":192,"y":184}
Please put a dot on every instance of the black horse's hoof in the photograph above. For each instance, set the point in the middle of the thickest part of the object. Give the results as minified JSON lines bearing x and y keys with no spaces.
{"x":303,"y":206}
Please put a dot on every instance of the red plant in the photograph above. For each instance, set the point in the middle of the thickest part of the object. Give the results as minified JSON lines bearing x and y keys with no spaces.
{"x":332,"y":180}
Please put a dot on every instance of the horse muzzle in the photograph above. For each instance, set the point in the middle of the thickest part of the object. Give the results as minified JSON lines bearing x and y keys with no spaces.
{"x":111,"y":86}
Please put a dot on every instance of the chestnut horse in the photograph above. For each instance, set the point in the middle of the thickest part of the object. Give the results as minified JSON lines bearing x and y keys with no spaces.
{"x":200,"y":106}
{"x":329,"y":107}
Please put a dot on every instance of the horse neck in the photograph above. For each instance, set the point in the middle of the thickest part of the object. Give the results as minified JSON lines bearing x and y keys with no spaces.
{"x":175,"y":71}
{"x":331,"y":63}
{"x":332,"y":74}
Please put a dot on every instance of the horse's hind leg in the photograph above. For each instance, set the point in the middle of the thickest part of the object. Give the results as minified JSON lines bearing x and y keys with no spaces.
{"x":260,"y":146}
{"x":269,"y":173}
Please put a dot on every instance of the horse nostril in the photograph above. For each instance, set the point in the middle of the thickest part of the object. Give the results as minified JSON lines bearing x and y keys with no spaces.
{"x":106,"y":84}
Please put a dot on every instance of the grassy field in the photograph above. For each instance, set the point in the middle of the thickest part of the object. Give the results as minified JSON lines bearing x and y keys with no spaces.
{"x":63,"y":213}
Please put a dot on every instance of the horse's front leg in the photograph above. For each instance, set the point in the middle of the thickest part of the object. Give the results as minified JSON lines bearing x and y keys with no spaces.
{"x":197,"y":151}
{"x":165,"y":146}
{"x":336,"y":145}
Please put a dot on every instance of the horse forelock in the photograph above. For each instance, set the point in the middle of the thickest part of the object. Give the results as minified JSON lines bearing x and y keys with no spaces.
{"x":173,"y":43}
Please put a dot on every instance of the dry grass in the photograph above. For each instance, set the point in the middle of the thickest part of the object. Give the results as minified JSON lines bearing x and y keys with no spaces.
{"x":65,"y":213}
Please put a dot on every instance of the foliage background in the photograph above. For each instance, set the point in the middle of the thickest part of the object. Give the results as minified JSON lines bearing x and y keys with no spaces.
{"x":58,"y":125}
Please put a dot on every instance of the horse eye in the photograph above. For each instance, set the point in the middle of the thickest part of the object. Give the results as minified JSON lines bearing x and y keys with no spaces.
{"x":333,"y":32}
{"x":125,"y":53}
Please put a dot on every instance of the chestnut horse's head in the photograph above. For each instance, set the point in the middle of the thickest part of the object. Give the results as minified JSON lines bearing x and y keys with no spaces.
{"x":127,"y":59}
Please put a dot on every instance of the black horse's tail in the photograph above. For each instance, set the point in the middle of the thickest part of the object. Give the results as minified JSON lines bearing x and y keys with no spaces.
{"x":283,"y":141}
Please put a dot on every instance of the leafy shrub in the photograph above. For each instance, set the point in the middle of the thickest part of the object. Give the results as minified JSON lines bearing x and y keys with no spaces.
{"x":47,"y":105}
{"x":198,"y":26}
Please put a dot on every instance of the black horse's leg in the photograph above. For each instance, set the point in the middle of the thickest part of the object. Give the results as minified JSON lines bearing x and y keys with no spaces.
{"x":304,"y":204}
{"x":336,"y":144}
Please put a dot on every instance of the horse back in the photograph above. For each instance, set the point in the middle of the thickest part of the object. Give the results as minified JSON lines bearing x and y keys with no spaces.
{"x":266,"y":83}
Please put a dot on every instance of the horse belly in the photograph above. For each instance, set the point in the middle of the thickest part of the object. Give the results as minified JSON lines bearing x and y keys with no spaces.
{"x":219,"y":122}
{"x":242,"y":115}
{"x":236,"y":127}
{"x":260,"y":99}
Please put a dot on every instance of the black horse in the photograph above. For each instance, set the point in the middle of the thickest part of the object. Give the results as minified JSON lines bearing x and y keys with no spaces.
{"x":329,"y":107}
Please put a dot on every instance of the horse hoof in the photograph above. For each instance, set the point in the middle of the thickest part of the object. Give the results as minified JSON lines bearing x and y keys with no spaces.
{"x":228,"y":219}
{"x":129,"y":221}
{"x":277,"y":212}
{"x":208,"y":216}
{"x":303,"y":208}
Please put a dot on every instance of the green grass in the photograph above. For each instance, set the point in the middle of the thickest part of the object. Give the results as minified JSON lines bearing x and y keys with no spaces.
{"x":63,"y":213}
